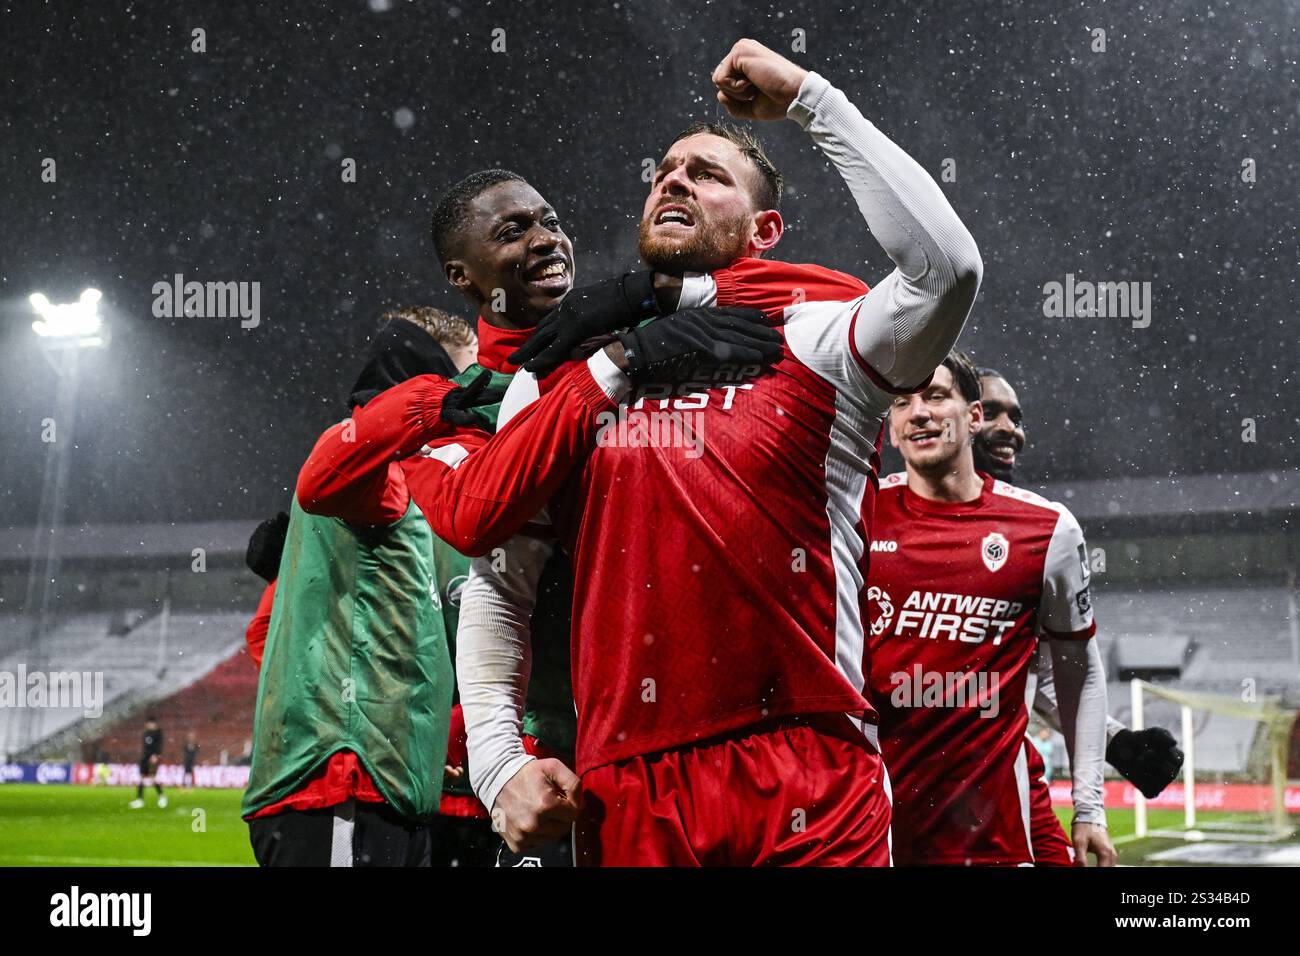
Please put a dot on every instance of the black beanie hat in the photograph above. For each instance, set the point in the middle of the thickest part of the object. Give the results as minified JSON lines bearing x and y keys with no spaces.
{"x":400,"y":351}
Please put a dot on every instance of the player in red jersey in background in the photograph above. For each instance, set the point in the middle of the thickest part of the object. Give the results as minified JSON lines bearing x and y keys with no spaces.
{"x":718,"y":641}
{"x":265,"y":548}
{"x":967,"y":574}
{"x":1150,"y":759}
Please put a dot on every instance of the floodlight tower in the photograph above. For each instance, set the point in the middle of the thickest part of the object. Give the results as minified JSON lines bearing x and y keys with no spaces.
{"x":63,"y":332}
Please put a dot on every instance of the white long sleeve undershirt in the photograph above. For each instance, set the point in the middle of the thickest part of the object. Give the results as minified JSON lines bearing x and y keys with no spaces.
{"x":493,"y":636}
{"x":912,"y":317}
{"x":1080,"y":688}
{"x":494,"y":652}
{"x":1042,"y":695}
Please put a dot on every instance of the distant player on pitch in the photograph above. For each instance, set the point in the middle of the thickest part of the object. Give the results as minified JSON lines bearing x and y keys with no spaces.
{"x":150,"y":757}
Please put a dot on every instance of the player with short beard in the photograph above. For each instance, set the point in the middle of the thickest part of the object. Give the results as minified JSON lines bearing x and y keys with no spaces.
{"x":711,"y":241}
{"x":999,"y":443}
{"x":975,"y":572}
{"x":722,"y":720}
{"x":501,"y":245}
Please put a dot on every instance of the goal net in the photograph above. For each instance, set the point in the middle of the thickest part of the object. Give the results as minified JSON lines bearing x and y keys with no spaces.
{"x":1234,"y":771}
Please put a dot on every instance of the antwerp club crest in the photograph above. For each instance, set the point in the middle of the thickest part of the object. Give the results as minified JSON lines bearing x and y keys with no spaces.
{"x":884,"y":610}
{"x":994,"y":551}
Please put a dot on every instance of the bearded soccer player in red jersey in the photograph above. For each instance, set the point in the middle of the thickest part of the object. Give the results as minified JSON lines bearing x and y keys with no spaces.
{"x":967,"y":574}
{"x":501,"y":244}
{"x":718,"y":636}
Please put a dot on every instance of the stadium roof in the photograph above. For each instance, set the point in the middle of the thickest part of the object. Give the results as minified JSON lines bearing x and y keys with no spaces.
{"x":1255,"y":493}
{"x":135,"y":540}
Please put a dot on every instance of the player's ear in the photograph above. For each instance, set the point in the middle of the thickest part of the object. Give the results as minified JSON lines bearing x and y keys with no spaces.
{"x":768,"y":228}
{"x":976,"y":416}
{"x":457,"y":273}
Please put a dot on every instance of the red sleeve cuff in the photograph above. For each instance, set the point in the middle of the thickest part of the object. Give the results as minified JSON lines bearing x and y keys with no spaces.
{"x":877,"y":379}
{"x":589,"y":390}
{"x":1082,"y":635}
{"x":428,"y":403}
{"x":725,"y":280}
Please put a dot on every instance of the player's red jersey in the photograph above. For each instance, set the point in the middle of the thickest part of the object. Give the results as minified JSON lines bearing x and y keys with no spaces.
{"x":255,"y":634}
{"x":1047,"y":837}
{"x":719,"y":571}
{"x":957,"y":596}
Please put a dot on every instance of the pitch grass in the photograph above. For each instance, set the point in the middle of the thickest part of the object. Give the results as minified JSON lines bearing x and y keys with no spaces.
{"x":1133,"y":852}
{"x":92,"y":826}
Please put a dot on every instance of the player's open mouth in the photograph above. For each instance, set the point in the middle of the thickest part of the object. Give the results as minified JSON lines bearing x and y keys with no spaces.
{"x":1002,"y":451}
{"x":551,"y":275}
{"x":674,"y":215}
{"x":924,"y":437}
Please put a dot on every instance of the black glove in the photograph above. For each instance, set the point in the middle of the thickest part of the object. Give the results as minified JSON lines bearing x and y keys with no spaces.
{"x":459,"y":406}
{"x":586,"y":313}
{"x":681,"y":345}
{"x":265,"y":546}
{"x":1149,"y":759}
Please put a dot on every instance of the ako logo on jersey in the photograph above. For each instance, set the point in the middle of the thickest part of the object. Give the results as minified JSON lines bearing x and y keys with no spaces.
{"x":994,"y":551}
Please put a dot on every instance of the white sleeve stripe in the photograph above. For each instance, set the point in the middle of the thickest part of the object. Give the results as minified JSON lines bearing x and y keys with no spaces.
{"x":523,"y":391}
{"x":450,"y":455}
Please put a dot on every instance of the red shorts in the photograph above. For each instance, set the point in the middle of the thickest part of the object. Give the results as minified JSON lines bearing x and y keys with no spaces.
{"x":1048,"y":842}
{"x":801,"y":792}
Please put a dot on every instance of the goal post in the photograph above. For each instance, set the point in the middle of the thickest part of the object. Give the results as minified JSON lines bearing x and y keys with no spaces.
{"x":1267,"y":758}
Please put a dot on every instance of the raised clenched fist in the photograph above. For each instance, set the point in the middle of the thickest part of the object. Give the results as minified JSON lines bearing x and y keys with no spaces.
{"x":757,"y":83}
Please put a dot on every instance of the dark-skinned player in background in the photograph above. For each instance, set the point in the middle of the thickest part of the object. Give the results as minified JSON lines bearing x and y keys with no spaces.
{"x":1149,"y":759}
{"x":718,"y":636}
{"x":969,"y":575}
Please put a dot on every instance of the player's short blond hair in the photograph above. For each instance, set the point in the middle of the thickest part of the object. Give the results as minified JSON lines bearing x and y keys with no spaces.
{"x":771,"y":184}
{"x":451,"y":331}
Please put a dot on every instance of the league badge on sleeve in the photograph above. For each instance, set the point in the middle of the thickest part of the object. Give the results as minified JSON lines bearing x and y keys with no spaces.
{"x":1084,"y":568}
{"x":994,"y":551}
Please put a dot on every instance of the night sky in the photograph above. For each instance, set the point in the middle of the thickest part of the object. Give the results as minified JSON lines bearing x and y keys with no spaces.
{"x":1123,"y":165}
